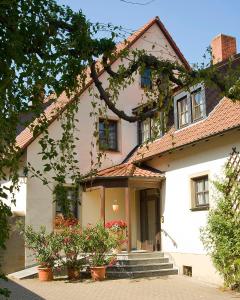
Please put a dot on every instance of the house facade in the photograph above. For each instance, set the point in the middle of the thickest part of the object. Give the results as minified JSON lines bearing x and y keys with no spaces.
{"x":163,"y":190}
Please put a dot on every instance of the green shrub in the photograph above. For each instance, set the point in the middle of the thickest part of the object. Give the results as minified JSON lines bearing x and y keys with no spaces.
{"x":221,"y":236}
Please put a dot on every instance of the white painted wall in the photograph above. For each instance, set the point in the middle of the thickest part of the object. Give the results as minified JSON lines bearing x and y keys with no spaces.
{"x":181,"y":227}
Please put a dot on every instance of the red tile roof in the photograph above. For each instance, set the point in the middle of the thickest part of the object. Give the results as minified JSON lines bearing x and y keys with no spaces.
{"x":26,"y":137}
{"x":129,"y":170}
{"x":225,"y":116}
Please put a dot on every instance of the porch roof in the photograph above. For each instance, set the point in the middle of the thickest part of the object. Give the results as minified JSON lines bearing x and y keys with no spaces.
{"x":126,"y":174}
{"x":130,"y":170}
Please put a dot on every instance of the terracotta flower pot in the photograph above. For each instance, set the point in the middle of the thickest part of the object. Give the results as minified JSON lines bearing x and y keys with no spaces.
{"x":98,"y":273}
{"x":73,"y":274}
{"x":45,"y":274}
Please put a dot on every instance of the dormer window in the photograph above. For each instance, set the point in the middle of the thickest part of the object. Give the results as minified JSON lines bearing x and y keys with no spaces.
{"x":151,"y":128}
{"x":146,"y":81}
{"x":189,"y":106}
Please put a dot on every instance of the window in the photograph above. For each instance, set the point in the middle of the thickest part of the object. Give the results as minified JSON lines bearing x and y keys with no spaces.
{"x":146,"y":81}
{"x":189,"y":106}
{"x":71,"y":194}
{"x":150,"y":128}
{"x":200,"y":193}
{"x":182,"y":107}
{"x":108,"y":135}
{"x":197,"y":105}
{"x":146,"y":130}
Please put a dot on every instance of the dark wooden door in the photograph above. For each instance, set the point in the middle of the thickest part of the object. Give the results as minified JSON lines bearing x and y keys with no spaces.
{"x":150,"y":220}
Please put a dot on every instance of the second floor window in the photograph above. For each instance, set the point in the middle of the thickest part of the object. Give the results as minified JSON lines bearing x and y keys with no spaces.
{"x":108,"y":135}
{"x":182,"y":108}
{"x":150,"y":128}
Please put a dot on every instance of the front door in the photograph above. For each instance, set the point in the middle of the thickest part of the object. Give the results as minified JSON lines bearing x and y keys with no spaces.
{"x":150,"y":220}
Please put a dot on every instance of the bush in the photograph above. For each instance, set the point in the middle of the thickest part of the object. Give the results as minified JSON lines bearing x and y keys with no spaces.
{"x":221,"y":236}
{"x":98,"y":243}
{"x":45,"y":246}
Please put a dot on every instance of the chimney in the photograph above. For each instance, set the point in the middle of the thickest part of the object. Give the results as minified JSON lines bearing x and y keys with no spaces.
{"x":223,"y":47}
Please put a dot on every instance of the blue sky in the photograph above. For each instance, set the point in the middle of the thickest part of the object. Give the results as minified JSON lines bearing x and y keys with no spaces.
{"x":192,"y":23}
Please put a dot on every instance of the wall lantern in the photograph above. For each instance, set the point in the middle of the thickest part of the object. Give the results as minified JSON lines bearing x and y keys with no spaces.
{"x":115,"y":206}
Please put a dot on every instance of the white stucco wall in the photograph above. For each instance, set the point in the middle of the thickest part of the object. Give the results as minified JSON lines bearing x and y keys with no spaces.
{"x":181,"y":227}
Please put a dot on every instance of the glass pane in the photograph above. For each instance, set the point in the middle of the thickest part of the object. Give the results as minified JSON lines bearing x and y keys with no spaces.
{"x":206,"y":184}
{"x":199,"y":186}
{"x":145,"y":130}
{"x":108,"y":135}
{"x":197,"y":105}
{"x":200,"y":199}
{"x":146,"y":79}
{"x":206,"y":196}
{"x":182,"y":112}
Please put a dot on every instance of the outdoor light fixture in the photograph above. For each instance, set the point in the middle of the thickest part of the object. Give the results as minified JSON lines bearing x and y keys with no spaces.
{"x":115,"y":206}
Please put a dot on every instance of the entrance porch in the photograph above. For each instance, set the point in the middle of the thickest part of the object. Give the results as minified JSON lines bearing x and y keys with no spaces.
{"x":136,"y":191}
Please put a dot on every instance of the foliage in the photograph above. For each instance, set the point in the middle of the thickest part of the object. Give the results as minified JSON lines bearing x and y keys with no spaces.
{"x":221,"y":236}
{"x":71,"y":245}
{"x":45,"y":49}
{"x":45,"y":246}
{"x":98,"y":243}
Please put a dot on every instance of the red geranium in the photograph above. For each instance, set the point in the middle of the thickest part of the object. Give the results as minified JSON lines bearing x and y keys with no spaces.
{"x":117,"y":225}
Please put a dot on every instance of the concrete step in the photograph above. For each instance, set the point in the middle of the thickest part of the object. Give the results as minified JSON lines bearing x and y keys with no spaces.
{"x":139,"y":255}
{"x":133,"y":268}
{"x":25,"y":273}
{"x":143,"y":261}
{"x":141,"y":274}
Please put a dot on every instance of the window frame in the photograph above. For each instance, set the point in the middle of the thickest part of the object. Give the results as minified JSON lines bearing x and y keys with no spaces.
{"x":151,"y":125}
{"x":144,"y":77}
{"x":195,"y":206}
{"x":185,"y":113}
{"x":77,"y":201}
{"x":188,"y":95}
{"x":193,"y":107}
{"x":115,"y":122}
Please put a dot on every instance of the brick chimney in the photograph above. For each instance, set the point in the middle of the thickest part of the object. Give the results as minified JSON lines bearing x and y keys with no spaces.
{"x":223,"y":47}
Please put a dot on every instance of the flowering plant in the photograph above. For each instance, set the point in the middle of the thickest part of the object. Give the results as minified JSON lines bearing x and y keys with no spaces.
{"x":98,"y":243}
{"x":71,"y":245}
{"x":45,"y":246}
{"x":116,"y":225}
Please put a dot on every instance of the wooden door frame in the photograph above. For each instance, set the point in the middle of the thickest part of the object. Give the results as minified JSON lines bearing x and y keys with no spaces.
{"x":144,"y":216}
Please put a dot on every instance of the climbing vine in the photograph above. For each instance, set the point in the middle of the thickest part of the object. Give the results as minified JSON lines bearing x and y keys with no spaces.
{"x":221,"y":236}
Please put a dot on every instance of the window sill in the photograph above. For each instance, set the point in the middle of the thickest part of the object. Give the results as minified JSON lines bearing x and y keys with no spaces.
{"x":200,"y":208}
{"x":109,"y":150}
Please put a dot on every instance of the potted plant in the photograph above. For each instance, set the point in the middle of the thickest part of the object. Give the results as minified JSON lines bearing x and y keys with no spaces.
{"x":118,"y":229}
{"x":98,"y":242}
{"x":45,"y":247}
{"x":71,"y":240}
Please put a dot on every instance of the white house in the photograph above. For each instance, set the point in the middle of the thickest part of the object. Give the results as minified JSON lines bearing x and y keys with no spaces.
{"x":164,"y":190}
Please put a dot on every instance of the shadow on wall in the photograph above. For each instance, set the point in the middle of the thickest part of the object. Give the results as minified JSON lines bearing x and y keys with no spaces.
{"x":19,"y":292}
{"x":168,"y":236}
{"x":13,"y":258}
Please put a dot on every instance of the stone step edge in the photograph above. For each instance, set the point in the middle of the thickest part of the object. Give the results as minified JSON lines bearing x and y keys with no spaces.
{"x":134,"y":266}
{"x":174,"y":270}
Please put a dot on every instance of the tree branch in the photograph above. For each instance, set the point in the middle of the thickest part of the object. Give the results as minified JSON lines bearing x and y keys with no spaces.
{"x":105,"y":97}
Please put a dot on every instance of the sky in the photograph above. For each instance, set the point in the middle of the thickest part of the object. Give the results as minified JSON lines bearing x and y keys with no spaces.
{"x":191,"y":23}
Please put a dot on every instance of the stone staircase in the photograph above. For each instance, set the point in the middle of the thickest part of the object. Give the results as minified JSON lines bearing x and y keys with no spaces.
{"x":141,"y":264}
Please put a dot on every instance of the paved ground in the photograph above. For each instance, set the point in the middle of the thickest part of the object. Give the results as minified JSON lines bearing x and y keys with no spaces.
{"x":164,"y":288}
